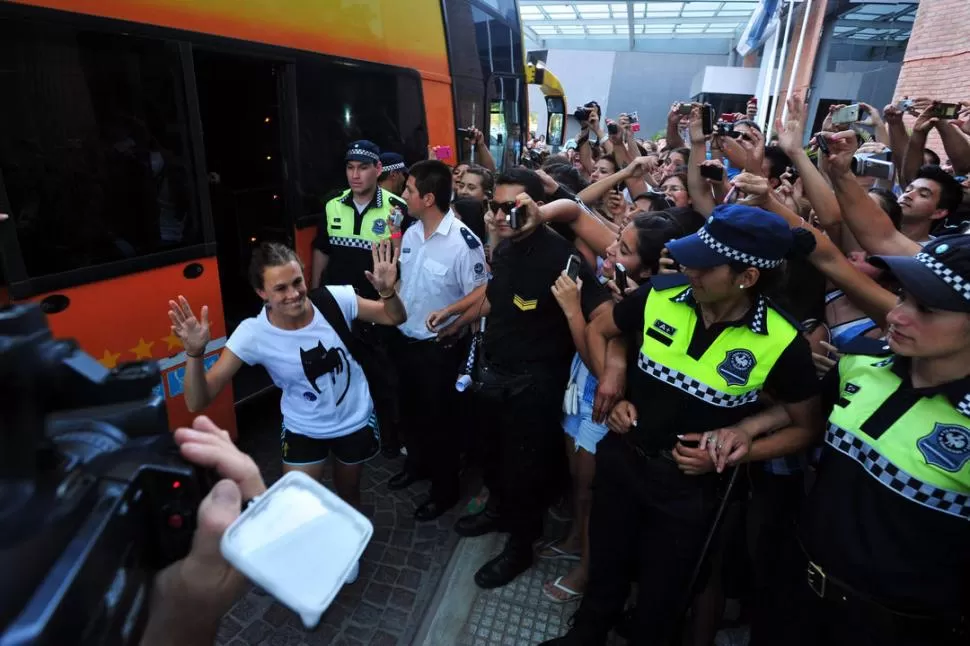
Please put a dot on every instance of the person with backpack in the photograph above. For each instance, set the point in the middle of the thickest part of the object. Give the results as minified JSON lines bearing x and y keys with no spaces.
{"x":303,"y":340}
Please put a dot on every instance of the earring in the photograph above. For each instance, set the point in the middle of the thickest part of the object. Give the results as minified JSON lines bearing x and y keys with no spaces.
{"x":741,"y":286}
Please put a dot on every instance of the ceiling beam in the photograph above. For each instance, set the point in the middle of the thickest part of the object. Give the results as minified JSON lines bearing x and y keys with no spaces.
{"x":536,"y":37}
{"x":630,"y":22}
{"x":552,"y":37}
{"x":650,"y":22}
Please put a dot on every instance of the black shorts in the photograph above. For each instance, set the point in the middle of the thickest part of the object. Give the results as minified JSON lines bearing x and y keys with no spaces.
{"x":356,"y":448}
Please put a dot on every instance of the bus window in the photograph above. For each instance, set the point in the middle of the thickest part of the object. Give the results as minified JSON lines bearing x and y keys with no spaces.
{"x":337,"y":105}
{"x":93,"y":148}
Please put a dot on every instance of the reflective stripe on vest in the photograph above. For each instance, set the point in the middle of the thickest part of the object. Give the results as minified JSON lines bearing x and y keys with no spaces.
{"x":730,"y":373}
{"x":376,"y":225}
{"x":923,"y":456}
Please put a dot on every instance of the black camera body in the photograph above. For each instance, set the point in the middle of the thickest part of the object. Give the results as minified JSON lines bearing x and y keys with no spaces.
{"x":94,"y":497}
{"x":726,"y":129}
{"x":582,"y":114}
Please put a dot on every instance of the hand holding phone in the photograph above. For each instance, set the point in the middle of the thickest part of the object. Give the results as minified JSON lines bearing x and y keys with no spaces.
{"x":619,"y":277}
{"x":712,"y":172}
{"x":572,"y":267}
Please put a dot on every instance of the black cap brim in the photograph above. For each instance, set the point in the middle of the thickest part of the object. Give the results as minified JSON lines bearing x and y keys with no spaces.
{"x":362,"y":158}
{"x":691,"y":251}
{"x":922,"y":283}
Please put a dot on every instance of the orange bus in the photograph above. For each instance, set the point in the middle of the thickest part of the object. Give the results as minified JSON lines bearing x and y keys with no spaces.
{"x":147,"y":145}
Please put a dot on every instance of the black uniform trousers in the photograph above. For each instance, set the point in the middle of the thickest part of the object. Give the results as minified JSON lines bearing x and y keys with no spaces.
{"x":648,"y":523}
{"x":381,"y":339}
{"x":801,"y":618}
{"x":427,"y":371}
{"x":520,"y":447}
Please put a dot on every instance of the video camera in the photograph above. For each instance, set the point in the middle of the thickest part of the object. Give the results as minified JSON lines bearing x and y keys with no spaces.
{"x":876,"y":165}
{"x":583,"y":113}
{"x":94,"y":497}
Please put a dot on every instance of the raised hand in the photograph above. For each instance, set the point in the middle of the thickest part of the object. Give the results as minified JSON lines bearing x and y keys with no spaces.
{"x":385,"y":258}
{"x":696,"y":125}
{"x":842,"y":146}
{"x":792,"y":131}
{"x":755,"y":188}
{"x":567,"y":292}
{"x":192,"y":332}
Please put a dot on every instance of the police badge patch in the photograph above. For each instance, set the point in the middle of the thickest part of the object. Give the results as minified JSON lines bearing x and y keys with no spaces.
{"x":380,"y":226}
{"x":737,"y":367}
{"x":947,"y":447}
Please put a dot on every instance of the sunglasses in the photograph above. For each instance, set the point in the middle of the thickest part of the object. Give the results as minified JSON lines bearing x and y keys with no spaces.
{"x":504,"y":207}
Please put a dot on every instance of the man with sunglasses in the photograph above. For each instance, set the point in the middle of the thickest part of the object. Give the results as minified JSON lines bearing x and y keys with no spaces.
{"x":523,"y":368}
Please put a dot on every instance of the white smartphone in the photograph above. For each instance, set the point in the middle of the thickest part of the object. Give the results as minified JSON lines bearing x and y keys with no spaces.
{"x":299,"y":542}
{"x":572,"y":267}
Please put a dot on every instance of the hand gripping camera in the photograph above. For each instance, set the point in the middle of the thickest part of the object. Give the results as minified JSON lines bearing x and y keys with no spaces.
{"x":94,"y":497}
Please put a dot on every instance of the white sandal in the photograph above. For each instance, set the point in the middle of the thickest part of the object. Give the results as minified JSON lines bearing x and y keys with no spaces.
{"x":573,"y":595}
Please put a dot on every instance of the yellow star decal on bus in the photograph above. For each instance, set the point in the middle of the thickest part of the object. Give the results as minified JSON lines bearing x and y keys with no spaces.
{"x":110,"y":359}
{"x":143,"y":350}
{"x":172,"y":341}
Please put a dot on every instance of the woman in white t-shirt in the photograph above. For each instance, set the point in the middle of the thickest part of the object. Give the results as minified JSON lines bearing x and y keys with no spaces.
{"x":326,"y":403}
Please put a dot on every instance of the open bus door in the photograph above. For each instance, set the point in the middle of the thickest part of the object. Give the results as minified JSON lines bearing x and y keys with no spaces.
{"x":537,"y":74}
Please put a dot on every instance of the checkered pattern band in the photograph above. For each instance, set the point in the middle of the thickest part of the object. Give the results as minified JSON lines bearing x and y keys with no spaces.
{"x":734,"y":254}
{"x":692,"y":386}
{"x":365,"y":153}
{"x":964,"y":406}
{"x":947,"y":275}
{"x":758,"y":319}
{"x":356,"y":243}
{"x":949,"y":502}
{"x":394,"y":167}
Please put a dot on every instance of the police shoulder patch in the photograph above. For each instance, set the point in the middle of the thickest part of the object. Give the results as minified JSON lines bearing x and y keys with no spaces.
{"x":947,"y":447}
{"x":737,"y":366}
{"x":470,"y":239}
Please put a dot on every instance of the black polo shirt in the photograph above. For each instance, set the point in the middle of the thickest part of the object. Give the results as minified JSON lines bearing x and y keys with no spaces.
{"x":348,"y":264}
{"x":876,"y":540}
{"x":665,"y":411}
{"x":526,"y":328}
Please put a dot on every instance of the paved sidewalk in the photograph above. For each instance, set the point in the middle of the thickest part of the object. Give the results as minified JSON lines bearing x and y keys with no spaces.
{"x":399,"y":573}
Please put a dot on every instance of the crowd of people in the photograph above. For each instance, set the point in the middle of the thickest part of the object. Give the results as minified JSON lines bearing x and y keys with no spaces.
{"x":743,"y":361}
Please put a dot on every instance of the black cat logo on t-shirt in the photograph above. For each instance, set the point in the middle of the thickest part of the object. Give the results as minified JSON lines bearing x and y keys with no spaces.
{"x":320,"y":361}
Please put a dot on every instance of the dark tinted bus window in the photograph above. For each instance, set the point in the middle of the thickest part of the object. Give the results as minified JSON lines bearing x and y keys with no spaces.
{"x":93,"y":147}
{"x":337,"y":105}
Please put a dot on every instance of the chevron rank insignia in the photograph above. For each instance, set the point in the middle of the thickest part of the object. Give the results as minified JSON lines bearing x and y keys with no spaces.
{"x":524,"y":305}
{"x":470,"y":239}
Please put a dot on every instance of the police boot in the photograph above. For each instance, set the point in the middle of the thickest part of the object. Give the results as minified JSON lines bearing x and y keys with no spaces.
{"x":515,"y":559}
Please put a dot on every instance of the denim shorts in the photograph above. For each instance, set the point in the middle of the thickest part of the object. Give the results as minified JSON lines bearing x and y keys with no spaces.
{"x":581,"y":426}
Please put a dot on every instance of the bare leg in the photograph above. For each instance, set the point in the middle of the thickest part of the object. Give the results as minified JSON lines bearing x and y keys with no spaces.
{"x":346,"y":480}
{"x":314,"y":470}
{"x":583,"y":478}
{"x":571,"y":543}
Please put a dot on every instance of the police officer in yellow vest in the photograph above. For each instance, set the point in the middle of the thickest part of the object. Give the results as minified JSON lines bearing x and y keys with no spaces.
{"x":883,"y":551}
{"x":709,"y":342}
{"x":363,"y":214}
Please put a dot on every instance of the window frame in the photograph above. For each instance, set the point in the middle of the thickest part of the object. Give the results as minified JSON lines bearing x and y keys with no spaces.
{"x":21,"y":286}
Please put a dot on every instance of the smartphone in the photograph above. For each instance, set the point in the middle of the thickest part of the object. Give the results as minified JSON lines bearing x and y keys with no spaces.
{"x":847,"y":114}
{"x":707,"y":119}
{"x":612,"y":128}
{"x":728,"y":117}
{"x":946,"y":110}
{"x":822,"y":144}
{"x":905,"y":104}
{"x":465,"y":133}
{"x":685,"y":108}
{"x":619,"y":277}
{"x":715,"y":173}
{"x":572,"y":267}
{"x":442,"y":152}
{"x":634,"y":122}
{"x":514,"y":221}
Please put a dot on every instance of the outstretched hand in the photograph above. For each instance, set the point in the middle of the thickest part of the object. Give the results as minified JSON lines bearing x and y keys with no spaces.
{"x":385,"y":257}
{"x":192,"y":332}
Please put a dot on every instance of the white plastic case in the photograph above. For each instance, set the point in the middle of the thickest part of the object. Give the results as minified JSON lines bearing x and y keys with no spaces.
{"x":298,"y":541}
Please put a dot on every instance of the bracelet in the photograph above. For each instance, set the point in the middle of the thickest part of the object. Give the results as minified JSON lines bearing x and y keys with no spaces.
{"x":195,"y":356}
{"x":385,"y":298}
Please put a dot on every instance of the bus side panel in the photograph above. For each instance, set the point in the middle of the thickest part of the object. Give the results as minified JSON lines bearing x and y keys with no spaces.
{"x":125,"y":319}
{"x":304,"y":247}
{"x":439,"y":109}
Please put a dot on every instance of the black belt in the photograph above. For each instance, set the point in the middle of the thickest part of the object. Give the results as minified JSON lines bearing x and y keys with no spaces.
{"x":831,"y":588}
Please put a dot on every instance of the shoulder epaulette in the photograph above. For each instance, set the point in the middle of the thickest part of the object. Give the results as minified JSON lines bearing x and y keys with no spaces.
{"x":470,"y":239}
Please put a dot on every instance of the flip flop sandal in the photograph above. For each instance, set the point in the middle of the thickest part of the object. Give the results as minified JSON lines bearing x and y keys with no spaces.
{"x":558,"y":555}
{"x":572,"y":594}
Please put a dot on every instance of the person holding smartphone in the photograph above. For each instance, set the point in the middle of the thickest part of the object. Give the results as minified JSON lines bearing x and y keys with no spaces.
{"x":709,"y":342}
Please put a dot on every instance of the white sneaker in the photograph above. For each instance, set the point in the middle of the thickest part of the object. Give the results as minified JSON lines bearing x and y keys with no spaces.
{"x":354,"y":573}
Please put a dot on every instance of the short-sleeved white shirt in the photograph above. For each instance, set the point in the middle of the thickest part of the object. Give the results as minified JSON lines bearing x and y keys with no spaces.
{"x":438,"y":271}
{"x":325,"y":393}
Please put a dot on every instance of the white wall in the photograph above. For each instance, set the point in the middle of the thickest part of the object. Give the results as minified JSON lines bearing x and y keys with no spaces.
{"x":585,"y":76}
{"x":717,"y":79}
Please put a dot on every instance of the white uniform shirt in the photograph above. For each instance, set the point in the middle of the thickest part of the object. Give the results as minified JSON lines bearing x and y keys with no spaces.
{"x":438,"y":271}
{"x":325,"y":393}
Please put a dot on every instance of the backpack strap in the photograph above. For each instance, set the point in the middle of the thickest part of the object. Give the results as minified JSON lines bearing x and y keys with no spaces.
{"x":327,"y":304}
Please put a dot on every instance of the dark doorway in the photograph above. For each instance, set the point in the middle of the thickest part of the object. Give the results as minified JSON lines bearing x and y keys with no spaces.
{"x":240,"y":112}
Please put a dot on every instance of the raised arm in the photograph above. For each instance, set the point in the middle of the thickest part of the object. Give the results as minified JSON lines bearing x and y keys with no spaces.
{"x":389,"y":310}
{"x":913,"y":158}
{"x":674,"y":140}
{"x":587,"y":226}
{"x":956,"y":146}
{"x":868,"y":223}
{"x":701,"y":198}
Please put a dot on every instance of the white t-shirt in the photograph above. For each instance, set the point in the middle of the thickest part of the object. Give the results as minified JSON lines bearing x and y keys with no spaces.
{"x":325,"y":393}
